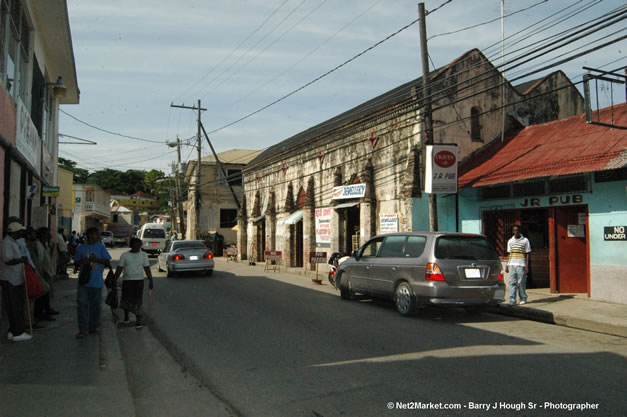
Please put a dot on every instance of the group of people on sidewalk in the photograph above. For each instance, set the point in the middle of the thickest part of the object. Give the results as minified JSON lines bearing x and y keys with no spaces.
{"x":25,"y":249}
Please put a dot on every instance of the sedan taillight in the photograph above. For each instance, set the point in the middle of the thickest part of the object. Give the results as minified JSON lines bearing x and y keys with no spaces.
{"x":433,"y":272}
{"x":178,"y":257}
{"x":208,"y":255}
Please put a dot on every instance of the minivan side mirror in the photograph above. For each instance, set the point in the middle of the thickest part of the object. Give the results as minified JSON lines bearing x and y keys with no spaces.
{"x":354,"y":254}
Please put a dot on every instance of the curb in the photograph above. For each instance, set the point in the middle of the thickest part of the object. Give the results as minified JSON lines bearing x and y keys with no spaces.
{"x":544,"y":316}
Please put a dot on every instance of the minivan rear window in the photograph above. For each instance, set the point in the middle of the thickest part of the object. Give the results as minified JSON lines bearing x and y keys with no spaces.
{"x":464,"y":247}
{"x":154,"y":234}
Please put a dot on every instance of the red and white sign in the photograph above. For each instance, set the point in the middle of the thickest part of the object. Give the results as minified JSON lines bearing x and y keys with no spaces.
{"x":441,"y":169}
{"x":273,"y":255}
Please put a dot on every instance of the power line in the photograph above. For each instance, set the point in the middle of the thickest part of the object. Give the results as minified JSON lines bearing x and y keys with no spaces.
{"x":108,"y":131}
{"x":486,"y":22}
{"x":316,"y":79}
{"x":233,"y":50}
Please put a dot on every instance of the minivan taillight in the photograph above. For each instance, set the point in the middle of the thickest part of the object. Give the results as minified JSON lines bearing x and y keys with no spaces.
{"x":178,"y":257}
{"x":501,"y":277}
{"x":433,"y":273}
{"x":208,"y":255}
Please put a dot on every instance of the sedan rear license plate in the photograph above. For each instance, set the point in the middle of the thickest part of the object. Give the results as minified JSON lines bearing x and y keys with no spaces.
{"x":193,"y":258}
{"x":473,"y":273}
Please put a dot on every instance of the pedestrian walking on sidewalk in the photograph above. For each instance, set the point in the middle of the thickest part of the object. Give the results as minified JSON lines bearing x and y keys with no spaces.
{"x":518,"y":248}
{"x":62,"y":254}
{"x":12,"y":281}
{"x":134,"y":264}
{"x":94,"y":255}
{"x":43,"y":310}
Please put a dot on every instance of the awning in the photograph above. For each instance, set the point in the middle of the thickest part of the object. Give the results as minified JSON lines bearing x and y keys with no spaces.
{"x":346,"y":205}
{"x":293,"y":218}
{"x":562,"y":147}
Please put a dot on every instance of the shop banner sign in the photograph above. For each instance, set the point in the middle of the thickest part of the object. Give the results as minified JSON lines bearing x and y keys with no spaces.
{"x":49,"y":191}
{"x":27,"y":139}
{"x":273,"y":255}
{"x":323,"y":227}
{"x":441,"y":169}
{"x":389,"y":223}
{"x":349,"y":191}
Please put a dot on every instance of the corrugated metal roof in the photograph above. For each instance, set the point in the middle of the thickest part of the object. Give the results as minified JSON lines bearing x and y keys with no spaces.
{"x":562,"y":147}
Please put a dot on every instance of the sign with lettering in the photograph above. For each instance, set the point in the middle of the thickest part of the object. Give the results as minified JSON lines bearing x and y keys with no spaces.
{"x":552,"y":200}
{"x":349,"y":191}
{"x":273,"y":255}
{"x":389,"y":223}
{"x":441,"y":169}
{"x":317,"y":257}
{"x":615,"y":233}
{"x":231,"y":251}
{"x":27,"y":138}
{"x":50,"y":191}
{"x":323,"y":227}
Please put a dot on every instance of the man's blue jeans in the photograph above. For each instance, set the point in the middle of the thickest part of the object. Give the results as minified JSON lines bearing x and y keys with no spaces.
{"x":517,"y":281}
{"x":88,"y":301}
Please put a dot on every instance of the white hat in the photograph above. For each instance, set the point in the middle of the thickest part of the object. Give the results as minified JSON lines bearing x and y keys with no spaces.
{"x":15,"y":227}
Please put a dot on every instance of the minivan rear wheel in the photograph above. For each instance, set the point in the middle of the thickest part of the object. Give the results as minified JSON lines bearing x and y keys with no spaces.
{"x":404,"y":299}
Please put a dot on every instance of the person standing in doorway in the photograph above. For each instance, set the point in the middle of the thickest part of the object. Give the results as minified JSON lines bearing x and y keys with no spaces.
{"x":12,"y":281}
{"x":518,"y":248}
{"x":89,"y":296}
{"x":134,"y":263}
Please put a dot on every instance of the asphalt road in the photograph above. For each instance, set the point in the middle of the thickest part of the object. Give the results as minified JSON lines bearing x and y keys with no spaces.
{"x":269,"y":348}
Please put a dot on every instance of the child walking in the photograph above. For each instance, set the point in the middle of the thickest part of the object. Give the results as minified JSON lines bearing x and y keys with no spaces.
{"x":134,"y":263}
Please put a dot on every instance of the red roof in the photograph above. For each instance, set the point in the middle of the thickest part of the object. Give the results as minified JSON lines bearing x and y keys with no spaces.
{"x":561,"y":147}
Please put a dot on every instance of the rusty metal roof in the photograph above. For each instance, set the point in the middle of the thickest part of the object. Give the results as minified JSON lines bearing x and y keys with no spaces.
{"x":562,"y":147}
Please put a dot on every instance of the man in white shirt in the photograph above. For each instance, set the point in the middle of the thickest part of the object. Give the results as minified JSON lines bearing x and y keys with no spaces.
{"x":12,"y":281}
{"x":519,"y":249}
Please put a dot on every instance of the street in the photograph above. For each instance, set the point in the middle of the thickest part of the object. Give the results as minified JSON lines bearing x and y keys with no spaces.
{"x":269,"y":348}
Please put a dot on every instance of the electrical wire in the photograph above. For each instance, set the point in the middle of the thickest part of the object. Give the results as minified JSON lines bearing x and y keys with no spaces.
{"x":233,"y":50}
{"x":108,"y":131}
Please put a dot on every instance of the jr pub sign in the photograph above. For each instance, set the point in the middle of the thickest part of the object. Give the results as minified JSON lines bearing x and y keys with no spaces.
{"x":441,"y":169}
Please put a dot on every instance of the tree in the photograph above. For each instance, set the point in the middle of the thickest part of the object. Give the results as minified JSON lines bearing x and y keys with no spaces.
{"x":80,"y":175}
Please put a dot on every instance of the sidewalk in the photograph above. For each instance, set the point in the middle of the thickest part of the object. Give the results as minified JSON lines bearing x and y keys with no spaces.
{"x":569,"y":310}
{"x":54,"y":374}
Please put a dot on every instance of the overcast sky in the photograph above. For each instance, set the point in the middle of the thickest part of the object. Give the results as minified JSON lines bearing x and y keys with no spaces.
{"x":133,"y":58}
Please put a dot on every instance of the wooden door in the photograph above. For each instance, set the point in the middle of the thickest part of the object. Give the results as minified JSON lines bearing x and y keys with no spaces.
{"x":571,"y":249}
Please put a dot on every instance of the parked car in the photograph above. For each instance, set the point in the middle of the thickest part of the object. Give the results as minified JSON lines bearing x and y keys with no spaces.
{"x":416,"y":269}
{"x":120,"y":240}
{"x":185,"y":256}
{"x":106,"y":238}
{"x":153,"y":238}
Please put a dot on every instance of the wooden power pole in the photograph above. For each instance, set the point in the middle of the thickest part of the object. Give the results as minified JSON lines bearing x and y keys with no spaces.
{"x":194,"y":228}
{"x":428,"y":118}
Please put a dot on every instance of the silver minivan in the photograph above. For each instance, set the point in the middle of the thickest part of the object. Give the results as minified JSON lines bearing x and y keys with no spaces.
{"x":420,"y":268}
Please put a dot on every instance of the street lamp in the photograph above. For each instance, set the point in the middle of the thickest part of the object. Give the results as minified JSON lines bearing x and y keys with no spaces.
{"x":58,"y":87}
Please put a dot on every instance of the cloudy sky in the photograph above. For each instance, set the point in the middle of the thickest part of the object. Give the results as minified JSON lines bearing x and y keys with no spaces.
{"x":135,"y":58}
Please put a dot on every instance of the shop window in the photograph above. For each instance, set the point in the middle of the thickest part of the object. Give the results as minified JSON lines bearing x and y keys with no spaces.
{"x":529,"y":188}
{"x":475,"y":126}
{"x":497,"y":192}
{"x":228,"y":218}
{"x":38,"y":95}
{"x":568,"y":184}
{"x":393,"y":246}
{"x":611,"y":175}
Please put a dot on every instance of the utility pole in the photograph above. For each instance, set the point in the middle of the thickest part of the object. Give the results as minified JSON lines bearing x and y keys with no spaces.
{"x":177,"y":182}
{"x":426,"y":93}
{"x":195,"y":228}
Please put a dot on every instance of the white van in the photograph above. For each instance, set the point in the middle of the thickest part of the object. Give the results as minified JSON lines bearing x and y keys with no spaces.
{"x":153,"y":237}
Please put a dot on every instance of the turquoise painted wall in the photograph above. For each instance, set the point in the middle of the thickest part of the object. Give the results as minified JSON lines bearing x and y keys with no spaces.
{"x":607,"y":206}
{"x":446,"y":213}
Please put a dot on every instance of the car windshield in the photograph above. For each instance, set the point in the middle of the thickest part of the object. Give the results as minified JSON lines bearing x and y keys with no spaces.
{"x":188,"y":245}
{"x":464,"y":247}
{"x":154,"y":233}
